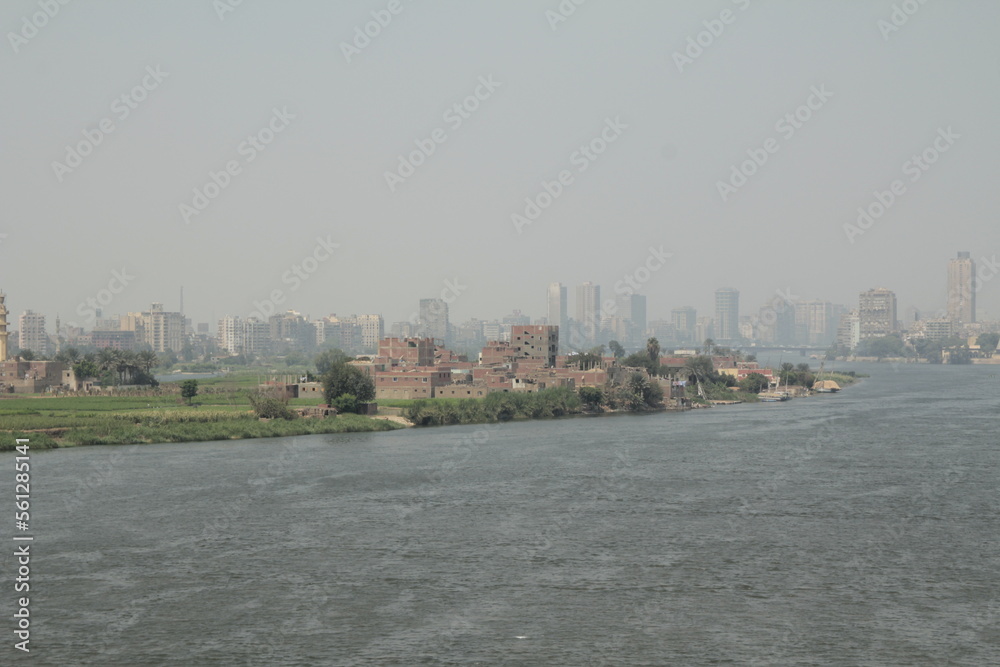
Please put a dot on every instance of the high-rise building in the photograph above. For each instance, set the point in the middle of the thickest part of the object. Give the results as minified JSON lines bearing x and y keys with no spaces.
{"x":684,"y":320}
{"x":159,"y":329}
{"x":291,"y":331}
{"x":231,"y":336}
{"x":3,"y":328}
{"x":962,"y":289}
{"x":629,"y":321}
{"x":535,"y":341}
{"x":814,"y":322}
{"x":558,"y":311}
{"x":588,"y":311}
{"x":876,"y":313}
{"x":32,"y":333}
{"x":372,"y":331}
{"x":849,"y":330}
{"x":433,"y":319}
{"x":727,"y":314}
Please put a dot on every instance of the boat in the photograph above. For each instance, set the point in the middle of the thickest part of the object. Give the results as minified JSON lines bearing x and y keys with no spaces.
{"x":772,"y":396}
{"x":825,"y":386}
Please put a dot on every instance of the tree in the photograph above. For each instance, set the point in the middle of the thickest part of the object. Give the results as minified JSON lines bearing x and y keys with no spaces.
{"x":802,"y":368}
{"x":85,"y":368}
{"x":584,"y":361}
{"x":189,"y":389}
{"x":326,"y":359}
{"x":69,"y":356}
{"x":147,"y":360}
{"x":753,"y":383}
{"x":700,"y":368}
{"x":346,"y":403}
{"x":641,"y":360}
{"x":988,"y":342}
{"x":343,"y":378}
{"x":27,"y":355}
{"x":268,"y":403}
{"x":591,"y":397}
{"x":708,"y":347}
{"x":616,"y":349}
{"x":653,"y":350}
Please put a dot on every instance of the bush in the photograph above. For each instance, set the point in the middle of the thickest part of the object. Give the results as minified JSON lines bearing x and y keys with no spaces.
{"x":269,"y":405}
{"x":346,"y":403}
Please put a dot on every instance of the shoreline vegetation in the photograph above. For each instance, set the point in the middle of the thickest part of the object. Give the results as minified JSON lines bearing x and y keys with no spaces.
{"x":223,"y":412}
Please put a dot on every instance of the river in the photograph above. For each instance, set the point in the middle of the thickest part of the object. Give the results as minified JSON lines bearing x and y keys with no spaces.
{"x":859,"y":528}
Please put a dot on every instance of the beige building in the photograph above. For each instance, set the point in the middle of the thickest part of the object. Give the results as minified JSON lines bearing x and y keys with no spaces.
{"x":32,"y":333}
{"x":159,"y":329}
{"x":962,"y":289}
{"x":876,"y":313}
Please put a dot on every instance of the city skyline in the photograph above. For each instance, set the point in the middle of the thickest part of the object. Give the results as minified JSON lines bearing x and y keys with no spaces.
{"x":781,"y":321}
{"x":252,"y":178}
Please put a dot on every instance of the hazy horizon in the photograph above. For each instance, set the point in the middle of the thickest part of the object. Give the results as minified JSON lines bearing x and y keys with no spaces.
{"x":198,"y":81}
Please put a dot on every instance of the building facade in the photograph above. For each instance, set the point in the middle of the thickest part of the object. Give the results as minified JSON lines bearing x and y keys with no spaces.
{"x":962,"y":289}
{"x":32,"y":333}
{"x":727,"y":314}
{"x":876,"y":313}
{"x":588,"y":313}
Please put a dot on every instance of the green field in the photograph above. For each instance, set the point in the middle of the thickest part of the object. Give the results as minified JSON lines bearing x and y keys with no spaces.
{"x":57,"y":421}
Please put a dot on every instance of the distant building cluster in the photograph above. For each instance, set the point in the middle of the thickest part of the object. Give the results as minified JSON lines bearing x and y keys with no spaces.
{"x":619,"y":319}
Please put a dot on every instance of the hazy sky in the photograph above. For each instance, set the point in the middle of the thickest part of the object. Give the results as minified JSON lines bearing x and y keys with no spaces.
{"x":198,"y":81}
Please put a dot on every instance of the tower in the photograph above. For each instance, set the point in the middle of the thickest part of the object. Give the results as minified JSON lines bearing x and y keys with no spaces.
{"x":876,"y":313}
{"x":962,"y":289}
{"x":727,"y":314}
{"x":588,"y":311}
{"x":3,"y":328}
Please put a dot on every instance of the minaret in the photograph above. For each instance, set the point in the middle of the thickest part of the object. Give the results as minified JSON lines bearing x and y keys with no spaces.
{"x":3,"y":328}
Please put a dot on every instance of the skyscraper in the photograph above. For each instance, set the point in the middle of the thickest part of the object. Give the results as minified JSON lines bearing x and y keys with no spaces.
{"x":876,"y":313}
{"x":32,"y":333}
{"x":434,"y":318}
{"x":684,"y":319}
{"x":557,"y":307}
{"x":727,"y":314}
{"x":962,"y":289}
{"x":631,"y":311}
{"x":372,"y":330}
{"x":588,"y":311}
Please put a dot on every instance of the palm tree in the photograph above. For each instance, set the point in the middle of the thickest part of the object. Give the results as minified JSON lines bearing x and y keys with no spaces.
{"x":653,"y":350}
{"x":147,"y":359}
{"x":107,"y":360}
{"x":708,"y":347}
{"x":700,"y":368}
